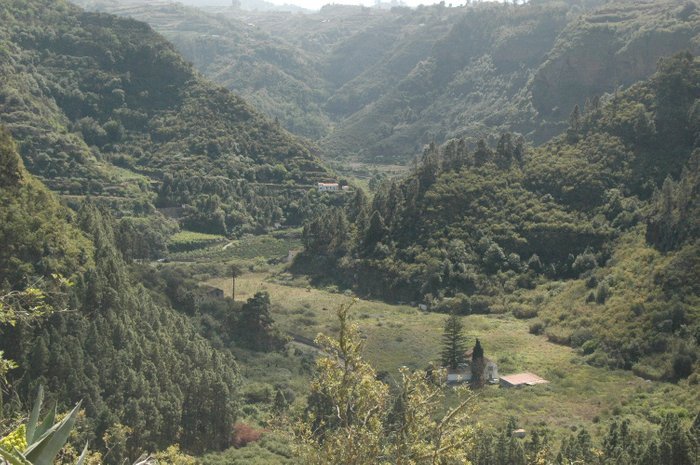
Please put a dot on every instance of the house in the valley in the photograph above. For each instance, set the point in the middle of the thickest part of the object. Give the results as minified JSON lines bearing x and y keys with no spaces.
{"x":521,"y":379}
{"x":463,"y":373}
{"x":328,"y":186}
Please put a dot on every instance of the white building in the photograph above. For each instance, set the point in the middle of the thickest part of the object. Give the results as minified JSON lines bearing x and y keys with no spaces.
{"x":463,"y":374}
{"x":328,"y":186}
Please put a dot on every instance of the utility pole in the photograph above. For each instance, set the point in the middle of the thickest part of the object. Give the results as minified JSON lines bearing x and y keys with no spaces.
{"x":235,"y":272}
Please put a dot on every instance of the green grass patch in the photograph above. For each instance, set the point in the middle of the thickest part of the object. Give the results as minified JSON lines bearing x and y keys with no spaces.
{"x":190,"y":240}
{"x":273,"y":246}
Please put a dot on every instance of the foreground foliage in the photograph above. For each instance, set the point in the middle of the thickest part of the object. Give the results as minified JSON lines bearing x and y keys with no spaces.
{"x":354,"y":418}
{"x":39,"y":442}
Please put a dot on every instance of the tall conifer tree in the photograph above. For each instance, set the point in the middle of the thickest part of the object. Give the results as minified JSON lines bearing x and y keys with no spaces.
{"x":454,"y":342}
{"x":478,"y":365}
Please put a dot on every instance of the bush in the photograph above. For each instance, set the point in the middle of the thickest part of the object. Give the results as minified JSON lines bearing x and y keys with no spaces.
{"x":244,"y":434}
{"x":257,"y":393}
{"x":580,"y":336}
{"x":459,"y":304}
{"x":602,"y":293}
{"x":524,"y":312}
{"x":584,"y":262}
{"x":558,"y":337}
{"x":480,"y":305}
{"x":682,"y":365}
{"x":591,"y":282}
{"x":637,"y":308}
{"x":537,"y":328}
{"x":589,"y":346}
{"x":647,"y":372}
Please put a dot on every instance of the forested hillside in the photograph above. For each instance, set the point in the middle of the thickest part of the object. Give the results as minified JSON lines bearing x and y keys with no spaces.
{"x":495,"y":222}
{"x":379,"y":85}
{"x":146,"y":378}
{"x":276,"y":78}
{"x":105,"y":107}
{"x":167,"y":257}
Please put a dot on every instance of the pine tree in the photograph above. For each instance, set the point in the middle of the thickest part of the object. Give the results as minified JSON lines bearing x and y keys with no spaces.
{"x":651,"y":454}
{"x":454,"y":342}
{"x":256,"y":325}
{"x":482,"y":153}
{"x":281,"y":404}
{"x":675,"y":447}
{"x":358,"y":205}
{"x":572,"y":134}
{"x":375,"y":232}
{"x":505,"y":150}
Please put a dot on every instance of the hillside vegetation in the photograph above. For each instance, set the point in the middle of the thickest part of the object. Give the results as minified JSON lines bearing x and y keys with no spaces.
{"x":145,"y":376}
{"x":105,"y":107}
{"x":378,"y":85}
{"x":472,"y":231}
{"x":148,"y":219}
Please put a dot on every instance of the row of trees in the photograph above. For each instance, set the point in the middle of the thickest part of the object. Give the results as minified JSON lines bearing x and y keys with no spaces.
{"x":676,"y":442}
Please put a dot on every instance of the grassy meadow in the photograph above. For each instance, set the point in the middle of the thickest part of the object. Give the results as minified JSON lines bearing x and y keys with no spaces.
{"x":397,"y":335}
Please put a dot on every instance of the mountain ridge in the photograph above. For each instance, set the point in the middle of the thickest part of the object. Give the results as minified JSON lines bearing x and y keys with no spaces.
{"x":387,"y":83}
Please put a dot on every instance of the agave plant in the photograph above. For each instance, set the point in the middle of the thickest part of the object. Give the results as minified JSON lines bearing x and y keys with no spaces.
{"x":44,"y":439}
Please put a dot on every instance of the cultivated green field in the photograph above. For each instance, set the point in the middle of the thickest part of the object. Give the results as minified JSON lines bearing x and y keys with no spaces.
{"x":198,"y":247}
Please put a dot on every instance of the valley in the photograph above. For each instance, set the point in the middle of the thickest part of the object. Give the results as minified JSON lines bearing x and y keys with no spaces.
{"x":264,"y":237}
{"x":578,"y":394}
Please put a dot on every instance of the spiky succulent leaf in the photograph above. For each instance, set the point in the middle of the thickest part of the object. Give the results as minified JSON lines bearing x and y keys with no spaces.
{"x":45,"y":426}
{"x":13,"y":457}
{"x":48,"y":446}
{"x":34,"y":416}
{"x":81,"y":459}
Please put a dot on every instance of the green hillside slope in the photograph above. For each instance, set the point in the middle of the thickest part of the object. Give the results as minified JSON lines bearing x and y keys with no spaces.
{"x":387,"y":83}
{"x":515,"y":68}
{"x":277,"y":79}
{"x":493,"y":223}
{"x":105,"y":107}
{"x":132,"y":362}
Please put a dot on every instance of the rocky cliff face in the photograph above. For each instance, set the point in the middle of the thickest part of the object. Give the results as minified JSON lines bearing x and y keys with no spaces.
{"x":613,"y":47}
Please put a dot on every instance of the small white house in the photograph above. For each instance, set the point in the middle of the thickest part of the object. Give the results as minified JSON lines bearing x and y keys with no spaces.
{"x":463,"y":374}
{"x":328,"y":186}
